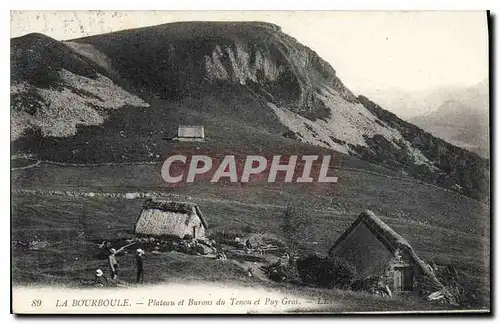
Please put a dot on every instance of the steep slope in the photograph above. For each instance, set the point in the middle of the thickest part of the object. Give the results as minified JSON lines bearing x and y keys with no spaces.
{"x":457,"y":114}
{"x":173,"y":60}
{"x":461,"y":119}
{"x":453,"y":165}
{"x":252,"y":86}
{"x":257,"y":57}
{"x":54,"y":89}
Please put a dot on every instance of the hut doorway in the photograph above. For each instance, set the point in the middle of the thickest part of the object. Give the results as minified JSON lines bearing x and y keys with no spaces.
{"x":403,"y":278}
{"x":194,"y":231}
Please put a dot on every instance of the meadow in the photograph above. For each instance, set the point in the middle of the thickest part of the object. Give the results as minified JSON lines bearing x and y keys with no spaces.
{"x":442,"y":226}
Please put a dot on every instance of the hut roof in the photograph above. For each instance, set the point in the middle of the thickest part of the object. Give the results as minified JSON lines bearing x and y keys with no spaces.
{"x":191,"y":126}
{"x":174,"y":207}
{"x":389,"y":238}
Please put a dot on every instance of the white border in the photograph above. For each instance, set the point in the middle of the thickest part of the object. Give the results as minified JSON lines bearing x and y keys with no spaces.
{"x":257,"y":5}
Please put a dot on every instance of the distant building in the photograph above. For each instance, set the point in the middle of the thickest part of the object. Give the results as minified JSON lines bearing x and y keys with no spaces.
{"x":376,"y":250}
{"x":171,"y":218}
{"x":191,"y":133}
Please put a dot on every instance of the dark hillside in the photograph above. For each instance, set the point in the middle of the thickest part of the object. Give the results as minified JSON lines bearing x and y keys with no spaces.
{"x":36,"y":59}
{"x":171,"y":60}
{"x":455,"y":165}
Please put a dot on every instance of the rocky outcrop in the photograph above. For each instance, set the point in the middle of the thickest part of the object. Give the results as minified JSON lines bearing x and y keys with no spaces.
{"x":174,"y":59}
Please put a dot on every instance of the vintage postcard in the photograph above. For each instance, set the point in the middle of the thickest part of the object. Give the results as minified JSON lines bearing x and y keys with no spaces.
{"x":172,"y":162}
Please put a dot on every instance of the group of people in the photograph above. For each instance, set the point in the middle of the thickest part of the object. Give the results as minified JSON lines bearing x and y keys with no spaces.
{"x":101,"y":279}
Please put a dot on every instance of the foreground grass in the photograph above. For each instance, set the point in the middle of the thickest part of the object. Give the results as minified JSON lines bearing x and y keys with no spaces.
{"x":173,"y":267}
{"x":73,"y":225}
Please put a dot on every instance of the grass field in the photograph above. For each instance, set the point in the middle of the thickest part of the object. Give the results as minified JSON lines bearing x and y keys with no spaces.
{"x":70,"y":260}
{"x":442,"y":226}
{"x":453,"y":233}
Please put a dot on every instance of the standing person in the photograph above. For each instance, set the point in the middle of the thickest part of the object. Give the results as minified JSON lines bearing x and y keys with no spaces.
{"x":139,"y":258}
{"x":113,"y":264}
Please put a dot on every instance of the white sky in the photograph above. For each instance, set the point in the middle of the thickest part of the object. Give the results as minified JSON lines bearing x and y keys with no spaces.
{"x":368,"y":49}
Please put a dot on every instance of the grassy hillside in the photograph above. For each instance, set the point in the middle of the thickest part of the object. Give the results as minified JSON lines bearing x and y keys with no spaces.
{"x":139,"y":134}
{"x":72,"y":255}
{"x":364,"y":187}
{"x":442,"y":225}
{"x":54,"y":89}
{"x":119,"y":98}
{"x":115,"y":97}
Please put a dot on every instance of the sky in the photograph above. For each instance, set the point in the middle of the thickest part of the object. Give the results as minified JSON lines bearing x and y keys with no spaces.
{"x":403,"y":50}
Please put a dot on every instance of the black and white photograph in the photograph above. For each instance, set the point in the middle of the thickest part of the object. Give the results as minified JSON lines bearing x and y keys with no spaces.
{"x":250,"y":162}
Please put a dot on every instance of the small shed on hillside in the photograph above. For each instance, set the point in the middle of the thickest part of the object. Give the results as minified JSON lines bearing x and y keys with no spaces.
{"x":376,"y":250}
{"x":191,"y":133}
{"x":171,"y":218}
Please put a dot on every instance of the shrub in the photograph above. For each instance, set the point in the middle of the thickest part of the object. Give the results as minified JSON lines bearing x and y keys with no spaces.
{"x":326,"y":273}
{"x":308,"y":268}
{"x":282,"y":272}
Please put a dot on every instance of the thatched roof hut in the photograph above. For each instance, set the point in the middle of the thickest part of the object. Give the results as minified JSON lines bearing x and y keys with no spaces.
{"x":375,"y":249}
{"x":171,"y":218}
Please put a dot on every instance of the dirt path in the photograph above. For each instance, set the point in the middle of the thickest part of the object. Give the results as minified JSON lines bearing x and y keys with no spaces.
{"x":37,"y":163}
